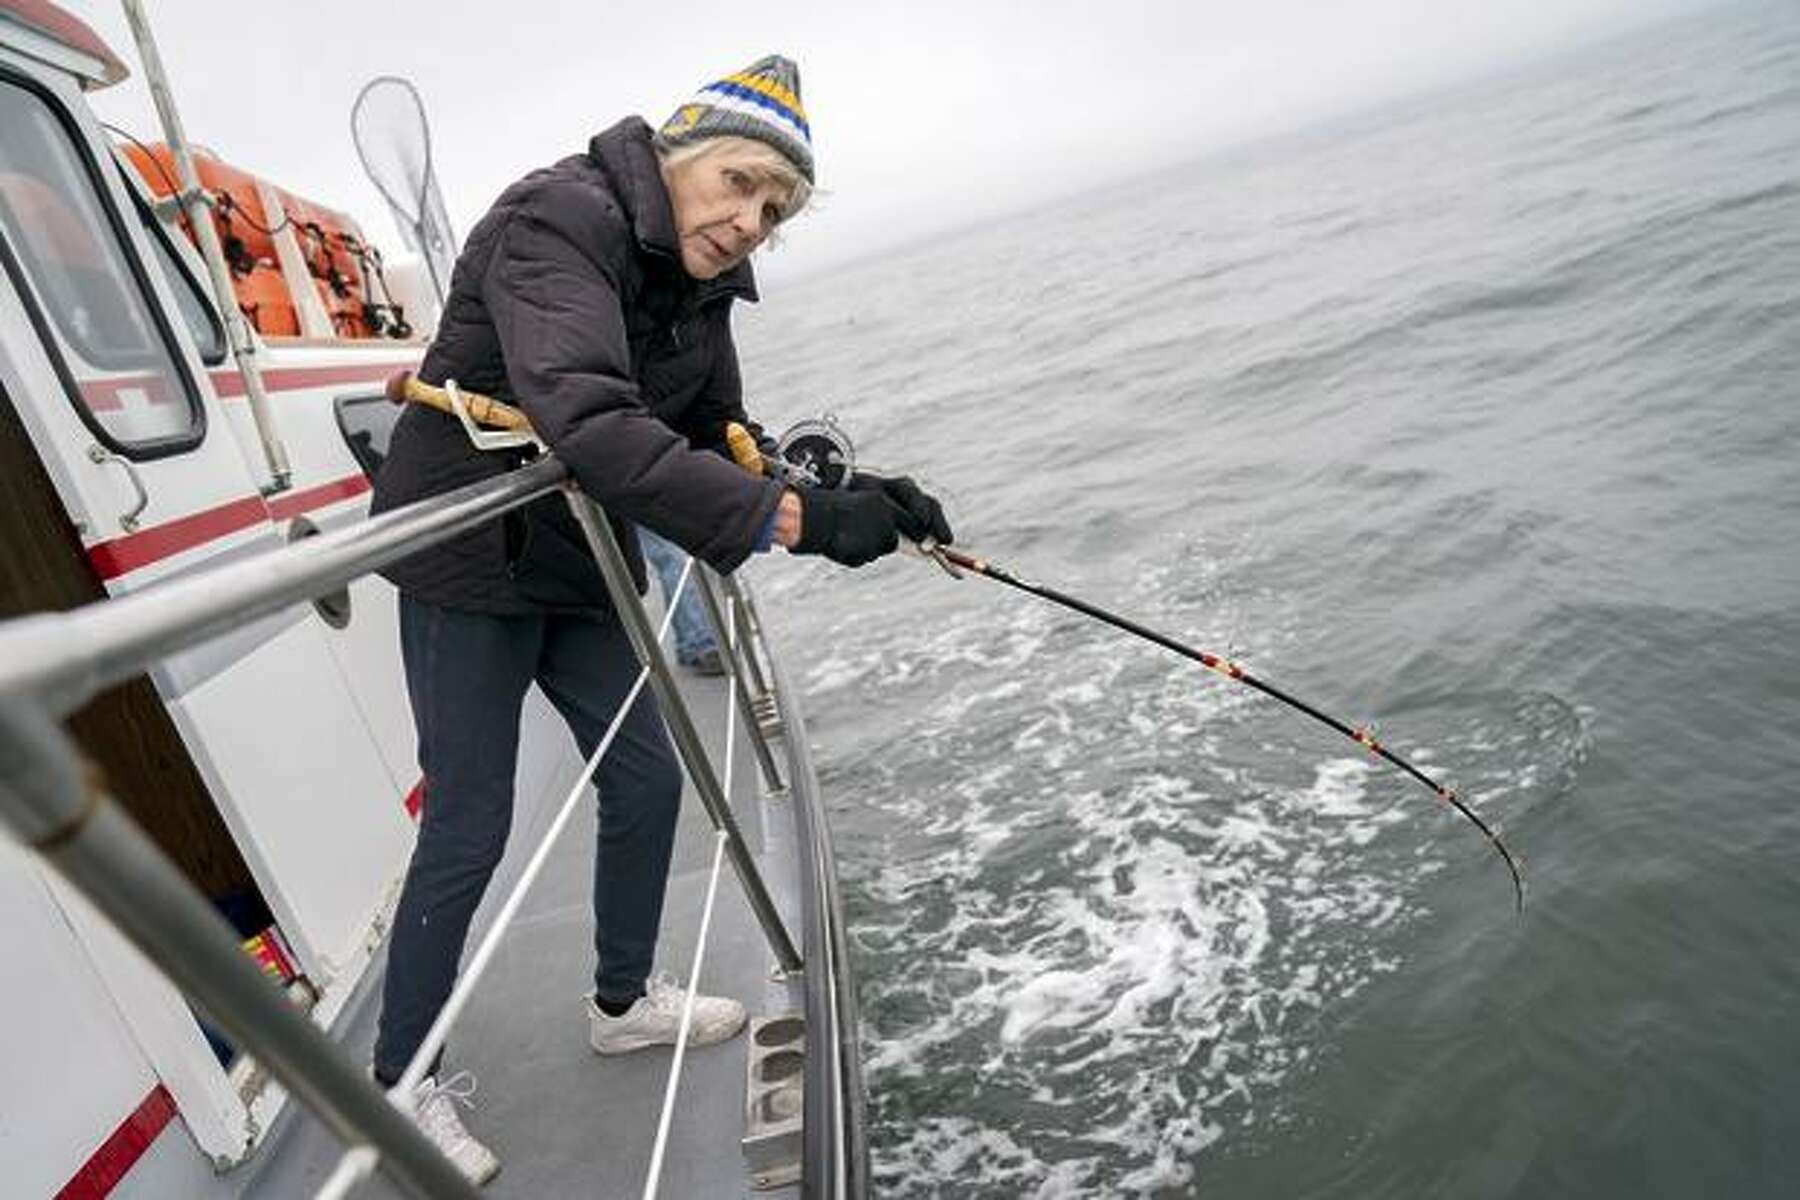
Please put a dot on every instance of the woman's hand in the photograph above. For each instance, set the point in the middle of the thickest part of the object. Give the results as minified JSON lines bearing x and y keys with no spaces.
{"x":861,"y":523}
{"x":788,"y":519}
{"x":917,"y":515}
{"x":848,"y":527}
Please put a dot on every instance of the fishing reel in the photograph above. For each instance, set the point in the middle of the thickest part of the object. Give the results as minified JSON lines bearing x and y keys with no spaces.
{"x":814,"y":453}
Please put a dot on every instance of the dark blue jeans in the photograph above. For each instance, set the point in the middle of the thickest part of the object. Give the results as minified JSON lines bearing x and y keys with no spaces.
{"x":467,"y":674}
{"x":693,"y":629}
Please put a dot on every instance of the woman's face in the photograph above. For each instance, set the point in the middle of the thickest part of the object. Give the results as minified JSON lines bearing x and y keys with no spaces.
{"x":723,"y":209}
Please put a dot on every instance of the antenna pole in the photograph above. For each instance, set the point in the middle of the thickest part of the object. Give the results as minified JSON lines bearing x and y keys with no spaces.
{"x":196,"y":203}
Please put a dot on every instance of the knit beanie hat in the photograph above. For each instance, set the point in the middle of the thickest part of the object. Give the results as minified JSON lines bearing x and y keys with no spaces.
{"x":762,"y":101}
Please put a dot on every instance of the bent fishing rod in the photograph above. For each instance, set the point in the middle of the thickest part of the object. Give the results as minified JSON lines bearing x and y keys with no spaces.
{"x":818,"y":453}
{"x":956,"y":562}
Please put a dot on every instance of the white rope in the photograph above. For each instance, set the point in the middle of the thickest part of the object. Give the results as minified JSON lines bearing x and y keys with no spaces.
{"x":359,"y":1161}
{"x":687,"y":1014}
{"x":356,"y":1165}
{"x":712,"y":891}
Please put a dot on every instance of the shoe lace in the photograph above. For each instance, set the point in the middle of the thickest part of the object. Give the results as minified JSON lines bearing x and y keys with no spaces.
{"x":663,"y":993}
{"x":438,"y":1099}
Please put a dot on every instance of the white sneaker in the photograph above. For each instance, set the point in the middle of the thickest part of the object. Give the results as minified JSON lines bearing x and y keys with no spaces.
{"x":432,"y":1106}
{"x":655,"y":1019}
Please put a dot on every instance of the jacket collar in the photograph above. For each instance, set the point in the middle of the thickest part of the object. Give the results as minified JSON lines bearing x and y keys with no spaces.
{"x":627,"y":155}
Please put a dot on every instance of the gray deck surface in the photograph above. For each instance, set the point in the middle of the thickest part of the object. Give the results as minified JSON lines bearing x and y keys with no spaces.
{"x":565,"y":1121}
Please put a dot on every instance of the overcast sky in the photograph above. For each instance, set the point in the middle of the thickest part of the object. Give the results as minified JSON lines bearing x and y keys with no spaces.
{"x":925,"y":114}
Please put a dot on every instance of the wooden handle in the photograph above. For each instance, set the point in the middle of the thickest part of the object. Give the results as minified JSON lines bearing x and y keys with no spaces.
{"x":744,"y":450}
{"x":406,"y":388}
{"x":403,"y":387}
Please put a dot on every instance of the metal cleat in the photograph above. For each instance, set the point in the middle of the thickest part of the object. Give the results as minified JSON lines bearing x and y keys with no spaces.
{"x":768,"y":715}
{"x":774,"y":1100}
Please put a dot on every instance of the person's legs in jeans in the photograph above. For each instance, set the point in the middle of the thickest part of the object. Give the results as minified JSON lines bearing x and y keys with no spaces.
{"x":586,"y":669}
{"x":466,"y":674}
{"x":693,"y":632}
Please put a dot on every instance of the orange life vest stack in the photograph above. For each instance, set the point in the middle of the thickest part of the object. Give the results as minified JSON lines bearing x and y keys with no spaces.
{"x":298,"y":268}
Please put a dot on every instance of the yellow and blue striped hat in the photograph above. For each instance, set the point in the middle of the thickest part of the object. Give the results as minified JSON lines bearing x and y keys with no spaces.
{"x":762,"y":101}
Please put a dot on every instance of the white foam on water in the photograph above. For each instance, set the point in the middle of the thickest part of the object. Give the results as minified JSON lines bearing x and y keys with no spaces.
{"x":1137,"y":955}
{"x":1117,"y":902}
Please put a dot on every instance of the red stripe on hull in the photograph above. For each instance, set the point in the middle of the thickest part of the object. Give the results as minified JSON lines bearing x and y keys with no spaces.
{"x":123,"y":555}
{"x":107,"y":394}
{"x":289,"y":505}
{"x":292,"y":379}
{"x":105,"y":1167}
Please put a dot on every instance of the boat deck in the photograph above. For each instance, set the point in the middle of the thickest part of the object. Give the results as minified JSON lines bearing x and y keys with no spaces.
{"x":563,"y":1120}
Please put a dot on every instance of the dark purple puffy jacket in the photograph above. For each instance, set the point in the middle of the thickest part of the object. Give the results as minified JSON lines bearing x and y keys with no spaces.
{"x":569,"y":300}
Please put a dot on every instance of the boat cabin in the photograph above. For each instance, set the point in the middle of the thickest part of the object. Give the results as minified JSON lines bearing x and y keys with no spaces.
{"x":275,"y":766}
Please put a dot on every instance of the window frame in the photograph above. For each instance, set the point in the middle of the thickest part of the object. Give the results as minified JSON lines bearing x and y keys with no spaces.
{"x":159,"y":232}
{"x":51,"y":337}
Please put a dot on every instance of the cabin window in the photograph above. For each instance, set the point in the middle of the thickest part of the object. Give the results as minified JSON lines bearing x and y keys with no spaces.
{"x":201,"y":320}
{"x":72,"y":263}
{"x":368,"y":424}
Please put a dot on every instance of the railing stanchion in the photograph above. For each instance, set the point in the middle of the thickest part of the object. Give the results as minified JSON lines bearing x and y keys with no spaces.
{"x":736,"y":650}
{"x":630,"y":612}
{"x":750,"y":633}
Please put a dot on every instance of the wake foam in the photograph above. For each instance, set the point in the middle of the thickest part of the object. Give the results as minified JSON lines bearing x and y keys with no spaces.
{"x":1105,"y":904}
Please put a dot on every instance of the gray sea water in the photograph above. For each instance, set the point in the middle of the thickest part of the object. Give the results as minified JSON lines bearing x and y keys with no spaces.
{"x":1476,"y":418}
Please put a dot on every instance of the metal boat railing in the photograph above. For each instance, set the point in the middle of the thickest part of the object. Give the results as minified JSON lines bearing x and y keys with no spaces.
{"x":834,"y":1138}
{"x":52,"y":663}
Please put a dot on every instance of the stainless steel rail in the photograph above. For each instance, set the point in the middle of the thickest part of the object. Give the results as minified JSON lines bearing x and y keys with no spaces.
{"x":834,"y":1133}
{"x":741,"y":657}
{"x":52,"y":663}
{"x":63,"y":659}
{"x":750,"y":634}
{"x":606,"y":551}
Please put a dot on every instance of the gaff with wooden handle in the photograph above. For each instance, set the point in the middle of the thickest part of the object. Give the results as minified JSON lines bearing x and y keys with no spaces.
{"x":404,"y":387}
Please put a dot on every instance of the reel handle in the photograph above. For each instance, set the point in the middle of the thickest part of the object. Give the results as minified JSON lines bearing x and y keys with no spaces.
{"x":744,"y":450}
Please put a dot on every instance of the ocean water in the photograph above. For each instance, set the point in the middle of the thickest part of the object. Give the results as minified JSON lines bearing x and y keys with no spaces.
{"x":1477,"y":418}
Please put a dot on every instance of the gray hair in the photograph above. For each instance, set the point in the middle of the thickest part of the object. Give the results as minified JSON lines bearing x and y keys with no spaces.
{"x":765,"y":164}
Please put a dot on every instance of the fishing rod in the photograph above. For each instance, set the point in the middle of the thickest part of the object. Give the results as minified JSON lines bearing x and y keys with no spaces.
{"x":818,"y":453}
{"x":956,"y":563}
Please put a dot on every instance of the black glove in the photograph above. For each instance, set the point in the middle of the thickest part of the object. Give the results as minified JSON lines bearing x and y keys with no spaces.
{"x":848,"y":527}
{"x":916,"y":515}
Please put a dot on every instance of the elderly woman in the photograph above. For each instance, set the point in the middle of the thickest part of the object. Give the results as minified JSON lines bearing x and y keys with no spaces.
{"x":596,"y":294}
